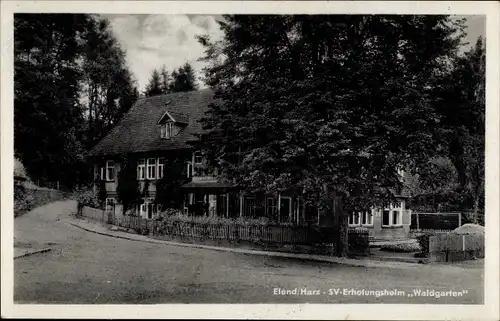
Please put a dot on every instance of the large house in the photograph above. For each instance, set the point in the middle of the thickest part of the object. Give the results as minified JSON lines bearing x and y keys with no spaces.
{"x":159,"y":128}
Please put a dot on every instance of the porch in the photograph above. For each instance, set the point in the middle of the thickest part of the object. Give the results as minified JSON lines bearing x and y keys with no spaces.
{"x":204,"y":198}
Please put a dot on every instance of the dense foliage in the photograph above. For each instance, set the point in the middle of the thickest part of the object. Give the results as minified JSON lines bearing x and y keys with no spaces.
{"x":336,"y":103}
{"x":71,"y":84}
{"x":181,"y":79}
{"x":127,"y":190}
{"x":168,"y":188}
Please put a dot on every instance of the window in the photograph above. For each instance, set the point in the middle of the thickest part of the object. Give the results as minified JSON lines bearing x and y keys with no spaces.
{"x":386,"y":218}
{"x":160,"y":168}
{"x":148,"y":208}
{"x":367,"y":218}
{"x":110,"y":204}
{"x":395,"y":218}
{"x":249,"y":208}
{"x":198,"y":159}
{"x":354,"y":218}
{"x":392,"y":215}
{"x":271,"y":206}
{"x":110,"y":170}
{"x":167,"y":130}
{"x":140,"y":169}
{"x":151,"y":173}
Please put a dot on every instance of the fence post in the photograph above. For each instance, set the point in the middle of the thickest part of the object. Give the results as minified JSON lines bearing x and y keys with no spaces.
{"x":459,"y":219}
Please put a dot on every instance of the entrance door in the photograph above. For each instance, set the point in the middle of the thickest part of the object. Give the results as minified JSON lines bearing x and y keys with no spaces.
{"x":249,"y":209}
{"x":285,"y":209}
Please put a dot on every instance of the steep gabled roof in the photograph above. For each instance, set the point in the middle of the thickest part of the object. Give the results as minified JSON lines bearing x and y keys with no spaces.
{"x":139,"y":131}
{"x":175,"y":117}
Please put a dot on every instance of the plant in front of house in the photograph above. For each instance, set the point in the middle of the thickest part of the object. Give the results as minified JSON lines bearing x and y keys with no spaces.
{"x":168,"y":192}
{"x":401,"y":248}
{"x":86,"y":196}
{"x":330,"y":106}
{"x":128,"y":187}
{"x":423,"y":241}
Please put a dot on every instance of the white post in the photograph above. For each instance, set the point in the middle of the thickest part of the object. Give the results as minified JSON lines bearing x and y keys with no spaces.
{"x":227,"y":204}
{"x":279,"y":208}
{"x":241,"y":206}
{"x":298,"y":211}
{"x":192,"y":165}
{"x":303,"y":211}
{"x":459,"y":219}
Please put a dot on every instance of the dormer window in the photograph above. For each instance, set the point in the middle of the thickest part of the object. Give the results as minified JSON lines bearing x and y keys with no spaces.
{"x":167,"y":130}
{"x":167,"y":122}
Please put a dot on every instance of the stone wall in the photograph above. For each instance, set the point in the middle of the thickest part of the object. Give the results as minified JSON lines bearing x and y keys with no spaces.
{"x":26,"y":199}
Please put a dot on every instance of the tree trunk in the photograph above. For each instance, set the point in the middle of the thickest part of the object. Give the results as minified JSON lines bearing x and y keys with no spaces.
{"x":335,"y":216}
{"x":342,"y":246}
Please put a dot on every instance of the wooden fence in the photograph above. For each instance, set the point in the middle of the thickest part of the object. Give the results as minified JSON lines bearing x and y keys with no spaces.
{"x":456,"y":247}
{"x":296,"y":235}
{"x":93,"y":213}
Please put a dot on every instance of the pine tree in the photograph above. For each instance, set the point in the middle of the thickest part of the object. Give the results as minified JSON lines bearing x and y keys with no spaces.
{"x":183,"y":79}
{"x":165,"y":80}
{"x":154,"y":86}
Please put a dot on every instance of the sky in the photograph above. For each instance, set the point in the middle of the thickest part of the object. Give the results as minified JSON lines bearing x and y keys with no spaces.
{"x":151,"y":41}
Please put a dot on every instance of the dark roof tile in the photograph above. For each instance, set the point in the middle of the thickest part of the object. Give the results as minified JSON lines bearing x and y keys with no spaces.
{"x":138,"y":130}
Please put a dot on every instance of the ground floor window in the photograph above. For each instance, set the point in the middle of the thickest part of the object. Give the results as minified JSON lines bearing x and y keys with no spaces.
{"x":110,"y":204}
{"x":249,"y":207}
{"x":393,"y":215}
{"x":147,"y":208}
{"x":367,"y":218}
{"x":354,"y":218}
{"x":222,"y":204}
{"x":271,"y":207}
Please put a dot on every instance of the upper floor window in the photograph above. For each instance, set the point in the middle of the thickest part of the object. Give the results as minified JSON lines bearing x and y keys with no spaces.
{"x":151,"y":171}
{"x":167,"y":130}
{"x":141,"y":169}
{"x":110,"y":170}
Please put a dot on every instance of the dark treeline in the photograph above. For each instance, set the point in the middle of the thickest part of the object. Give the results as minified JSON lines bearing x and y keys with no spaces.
{"x":71,"y":85}
{"x":163,"y":82}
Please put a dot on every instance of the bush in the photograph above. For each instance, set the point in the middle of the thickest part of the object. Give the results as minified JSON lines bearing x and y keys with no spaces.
{"x":176,"y":216}
{"x":401,"y":247}
{"x":26,"y":199}
{"x":423,"y":241}
{"x":87,"y":196}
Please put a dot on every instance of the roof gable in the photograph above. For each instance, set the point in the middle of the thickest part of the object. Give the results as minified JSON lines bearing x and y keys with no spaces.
{"x":139,"y":129}
{"x":175,"y":117}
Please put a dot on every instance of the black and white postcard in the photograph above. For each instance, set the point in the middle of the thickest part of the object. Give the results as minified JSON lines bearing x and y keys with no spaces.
{"x":262,"y":159}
